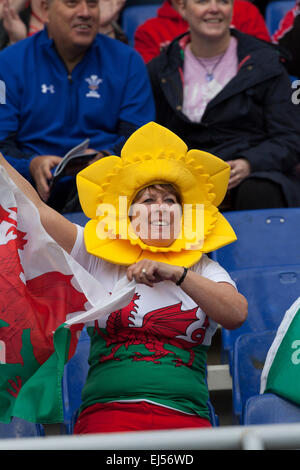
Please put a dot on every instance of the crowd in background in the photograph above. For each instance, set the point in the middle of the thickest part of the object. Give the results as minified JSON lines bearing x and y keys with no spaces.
{"x":255,"y":131}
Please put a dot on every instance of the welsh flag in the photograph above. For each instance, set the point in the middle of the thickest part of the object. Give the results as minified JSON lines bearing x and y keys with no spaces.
{"x":281,"y":372}
{"x":46,"y":297}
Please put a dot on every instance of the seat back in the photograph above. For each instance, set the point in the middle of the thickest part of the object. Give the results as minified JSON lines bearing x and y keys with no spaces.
{"x":18,"y":428}
{"x":249,"y":354}
{"x":270,"y":409}
{"x":75,"y":374}
{"x":275,"y":12}
{"x":270,"y":291}
{"x":265,"y":237}
{"x":134,"y":16}
{"x":78,"y":218}
{"x":214,"y":419}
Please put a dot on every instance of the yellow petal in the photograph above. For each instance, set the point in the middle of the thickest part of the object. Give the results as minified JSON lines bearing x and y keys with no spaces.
{"x":89,"y":182}
{"x":221,"y":235}
{"x":154,"y":140}
{"x":184,"y":258}
{"x":112,"y":250}
{"x":217,"y":169}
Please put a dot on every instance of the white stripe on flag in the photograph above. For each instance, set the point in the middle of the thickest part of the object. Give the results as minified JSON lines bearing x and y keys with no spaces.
{"x":281,"y":332}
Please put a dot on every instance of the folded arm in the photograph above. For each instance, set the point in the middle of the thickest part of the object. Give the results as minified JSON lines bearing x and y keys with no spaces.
{"x":218,"y":300}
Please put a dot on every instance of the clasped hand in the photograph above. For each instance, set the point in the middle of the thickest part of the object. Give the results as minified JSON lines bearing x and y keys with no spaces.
{"x":151,"y":272}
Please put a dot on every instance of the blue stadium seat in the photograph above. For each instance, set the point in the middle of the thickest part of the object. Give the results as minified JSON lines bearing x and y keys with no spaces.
{"x":266,"y":237}
{"x":270,"y":291}
{"x":20,"y":428}
{"x":250,"y":351}
{"x":78,"y":218}
{"x":270,"y":409}
{"x":275,"y":11}
{"x":214,"y":419}
{"x":74,"y":378}
{"x":131,"y":3}
{"x":76,"y":371}
{"x":134,"y":16}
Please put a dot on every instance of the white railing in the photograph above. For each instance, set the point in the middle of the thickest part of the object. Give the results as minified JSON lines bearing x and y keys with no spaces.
{"x":262,"y":437}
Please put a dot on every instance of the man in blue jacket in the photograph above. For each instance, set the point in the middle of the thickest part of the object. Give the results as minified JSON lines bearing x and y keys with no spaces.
{"x":64,"y":84}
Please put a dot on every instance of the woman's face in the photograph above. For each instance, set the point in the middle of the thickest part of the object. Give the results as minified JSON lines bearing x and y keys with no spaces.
{"x":156,"y":216}
{"x":209,"y":19}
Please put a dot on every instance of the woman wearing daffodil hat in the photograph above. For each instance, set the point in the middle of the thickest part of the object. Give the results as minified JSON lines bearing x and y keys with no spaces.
{"x":153,"y":216}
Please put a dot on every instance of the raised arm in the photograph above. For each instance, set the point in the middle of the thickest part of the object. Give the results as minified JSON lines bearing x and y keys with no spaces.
{"x":58,"y":227}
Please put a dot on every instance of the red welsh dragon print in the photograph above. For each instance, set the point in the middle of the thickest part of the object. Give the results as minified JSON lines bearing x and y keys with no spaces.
{"x":160,"y":328}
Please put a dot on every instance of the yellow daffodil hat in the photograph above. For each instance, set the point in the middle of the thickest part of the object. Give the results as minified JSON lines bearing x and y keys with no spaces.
{"x":154,"y":155}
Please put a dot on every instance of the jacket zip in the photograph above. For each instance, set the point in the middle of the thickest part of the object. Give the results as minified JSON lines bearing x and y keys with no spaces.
{"x":71,"y":111}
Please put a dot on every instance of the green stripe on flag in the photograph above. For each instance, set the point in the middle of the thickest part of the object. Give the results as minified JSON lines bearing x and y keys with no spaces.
{"x":40,"y":398}
{"x":13,"y":376}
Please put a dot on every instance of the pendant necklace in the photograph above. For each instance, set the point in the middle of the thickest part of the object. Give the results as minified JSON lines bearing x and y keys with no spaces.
{"x":209,"y":76}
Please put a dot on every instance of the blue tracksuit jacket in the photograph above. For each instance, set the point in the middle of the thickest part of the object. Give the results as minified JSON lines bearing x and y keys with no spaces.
{"x":48,"y":111}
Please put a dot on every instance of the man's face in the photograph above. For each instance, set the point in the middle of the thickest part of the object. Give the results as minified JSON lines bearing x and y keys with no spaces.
{"x":73,"y":23}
